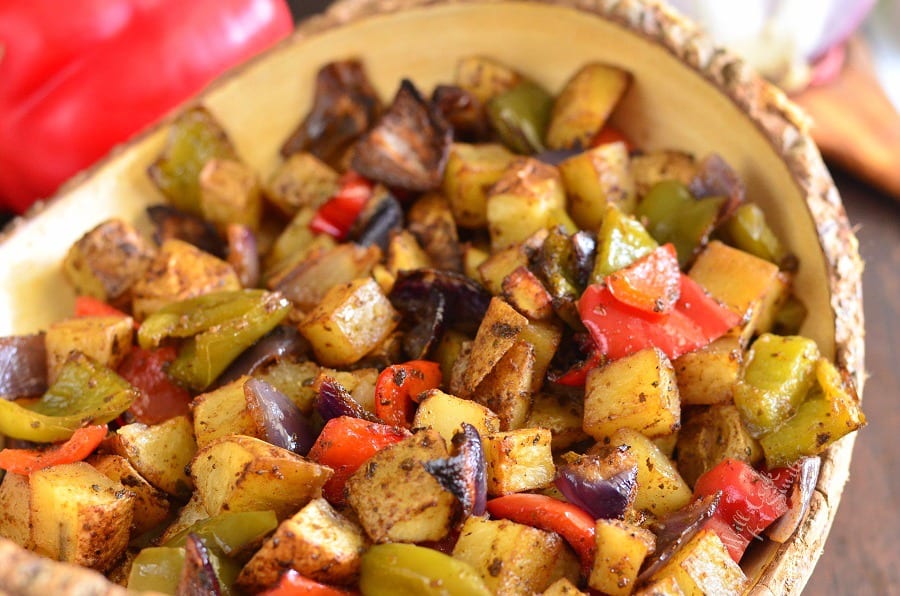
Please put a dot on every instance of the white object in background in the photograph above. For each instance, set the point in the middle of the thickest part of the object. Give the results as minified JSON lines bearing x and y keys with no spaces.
{"x":883,"y":34}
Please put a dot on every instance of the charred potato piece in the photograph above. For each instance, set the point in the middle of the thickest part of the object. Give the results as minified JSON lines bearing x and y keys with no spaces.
{"x":301,"y":181}
{"x":105,"y":340}
{"x":159,"y":452}
{"x":431,"y":222}
{"x":584,"y":105}
{"x":525,"y":292}
{"x":711,"y":436}
{"x":230,"y":194}
{"x":445,"y":414}
{"x":498,"y":332}
{"x":485,"y":78}
{"x":703,"y":566}
{"x":463,"y":111}
{"x":471,"y":170}
{"x":518,"y":460}
{"x":307,"y":284}
{"x":151,"y":507}
{"x":523,"y":201}
{"x":494,"y":269}
{"x":506,"y":389}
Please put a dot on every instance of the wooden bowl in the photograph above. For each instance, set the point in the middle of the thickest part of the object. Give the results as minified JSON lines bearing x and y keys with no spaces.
{"x":687,"y":94}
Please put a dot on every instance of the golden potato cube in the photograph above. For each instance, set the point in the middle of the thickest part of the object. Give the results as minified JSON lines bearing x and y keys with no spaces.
{"x":107,"y":261}
{"x":563,"y":587}
{"x":518,"y":460}
{"x":712,"y":435}
{"x":513,"y":559}
{"x":497,"y":333}
{"x":523,"y":201}
{"x":222,"y":412}
{"x":15,"y":514}
{"x":494,"y":269}
{"x":292,"y":245}
{"x":484,"y":77}
{"x":596,"y":178}
{"x":665,"y":586}
{"x":317,"y":541}
{"x":470,"y":171}
{"x":752,"y":295}
{"x":309,"y":280}
{"x":638,"y":391}
{"x":655,"y":166}
{"x":151,"y":507}
{"x":79,"y":516}
{"x":396,"y":498}
{"x":506,"y":390}
{"x":301,"y":181}
{"x":620,"y":551}
{"x":106,"y":340}
{"x":445,"y":414}
{"x":473,"y":255}
{"x":230,"y":194}
{"x":404,"y":254}
{"x":351,"y":320}
{"x":561,"y":416}
{"x":159,"y":452}
{"x":661,"y":489}
{"x":180,"y":271}
{"x":583,"y":106}
{"x":703,"y":566}
{"x":240,"y":473}
{"x":525,"y":292}
{"x":431,"y":221}
{"x":707,"y":376}
{"x":544,"y":337}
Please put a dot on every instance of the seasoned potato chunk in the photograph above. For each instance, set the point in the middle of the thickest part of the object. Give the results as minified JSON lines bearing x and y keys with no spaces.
{"x":15,"y":514}
{"x":159,"y":452}
{"x":711,"y":436}
{"x":445,"y":413}
{"x":708,"y":375}
{"x":518,"y":460}
{"x":524,"y":291}
{"x":584,"y":105}
{"x":620,"y":551}
{"x":523,"y":201}
{"x":470,"y":171}
{"x":301,"y":181}
{"x":230,"y":194}
{"x":561,"y":416}
{"x":105,"y":340}
{"x":151,"y":507}
{"x":498,"y":332}
{"x":506,"y":390}
{"x":596,"y":178}
{"x":222,"y":412}
{"x":703,"y":566}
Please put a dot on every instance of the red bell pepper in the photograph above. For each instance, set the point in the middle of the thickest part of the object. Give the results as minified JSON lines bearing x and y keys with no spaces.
{"x":79,"y":79}
{"x":79,"y":446}
{"x":749,"y":503}
{"x":337,"y":215}
{"x":611,"y":134}
{"x":398,"y":386}
{"x":345,"y":444}
{"x":160,"y":398}
{"x":294,"y":584}
{"x":651,"y":284}
{"x":577,"y":375}
{"x":575,"y":525}
{"x":88,"y":306}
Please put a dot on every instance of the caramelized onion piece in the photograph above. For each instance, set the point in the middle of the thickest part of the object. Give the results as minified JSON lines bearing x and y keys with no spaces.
{"x":198,"y":578}
{"x":676,"y":529}
{"x":378,"y":223}
{"x":279,"y":343}
{"x":333,"y":401}
{"x":171,"y":223}
{"x":464,"y":473}
{"x":282,"y":423}
{"x":799,"y":497}
{"x":23,"y":366}
{"x":603,"y":496}
{"x":409,"y":145}
{"x":715,"y":178}
{"x":463,"y":112}
{"x":584,"y":252}
{"x":465,"y":301}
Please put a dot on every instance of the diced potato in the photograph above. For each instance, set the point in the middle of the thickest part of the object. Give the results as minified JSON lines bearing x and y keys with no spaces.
{"x":431,"y":221}
{"x":544,"y":337}
{"x":448,"y":350}
{"x":106,"y":340}
{"x":523,"y":201}
{"x":349,"y":322}
{"x":707,"y":376}
{"x":596,"y":178}
{"x":301,"y":181}
{"x":317,"y":541}
{"x":485,"y":78}
{"x":506,"y":390}
{"x":222,"y":412}
{"x":470,"y":171}
{"x":15,"y":513}
{"x":512,"y":558}
{"x":445,"y":414}
{"x":638,"y":391}
{"x":493,"y":270}
{"x":703,"y":566}
{"x":405,"y":254}
{"x":620,"y":551}
{"x":151,"y":507}
{"x":754,"y":294}
{"x":711,"y":436}
{"x":518,"y":460}
{"x":561,"y":416}
{"x":665,"y":586}
{"x":79,"y":516}
{"x":107,"y":261}
{"x":395,"y":497}
{"x":583,"y":106}
{"x":661,"y":489}
{"x":180,"y":271}
{"x":159,"y":453}
{"x":563,"y":587}
{"x":656,"y":166}
{"x":498,"y":332}
{"x":460,"y":368}
{"x":240,"y":473}
{"x":295,"y":242}
{"x":473,"y":255}
{"x":525,"y":292}
{"x":294,"y":379}
{"x":307,"y":283}
{"x":230,"y":194}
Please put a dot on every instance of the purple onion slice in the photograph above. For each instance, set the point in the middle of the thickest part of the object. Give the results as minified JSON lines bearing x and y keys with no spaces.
{"x":198,"y":577}
{"x":275,"y":345}
{"x":464,"y":473}
{"x":604,"y":496}
{"x":281,"y":422}
{"x":23,"y":366}
{"x":334,"y":401}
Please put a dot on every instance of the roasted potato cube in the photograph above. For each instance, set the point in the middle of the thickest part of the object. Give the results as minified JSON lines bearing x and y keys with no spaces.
{"x":151,"y":507}
{"x":506,"y":390}
{"x":544,"y":337}
{"x":15,"y":514}
{"x":563,"y":587}
{"x":561,"y":416}
{"x":222,"y":412}
{"x":294,"y":379}
{"x":445,"y":414}
{"x":180,"y":271}
{"x":754,"y":294}
{"x":405,"y":254}
{"x":499,"y":265}
{"x":583,"y":106}
{"x":240,"y":473}
{"x":308,"y":282}
{"x":498,"y":332}
{"x":230,"y":194}
{"x":396,"y":499}
{"x":485,"y":78}
{"x":431,"y":221}
{"x":665,"y":586}
{"x":301,"y":181}
{"x":656,"y":166}
{"x":79,"y":516}
{"x":317,"y":541}
{"x":351,"y":320}
{"x":620,"y":551}
{"x":711,"y":436}
{"x":105,"y":340}
{"x":525,"y":292}
{"x":523,"y":201}
{"x":703,"y":566}
{"x":638,"y":391}
{"x":107,"y":261}
{"x":512,"y":558}
{"x":470,"y":171}
{"x":295,"y":242}
{"x":707,"y":376}
{"x":518,"y":460}
{"x":595,"y":178}
{"x":159,"y":452}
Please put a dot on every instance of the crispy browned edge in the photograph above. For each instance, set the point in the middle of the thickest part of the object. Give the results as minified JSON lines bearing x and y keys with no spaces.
{"x":786,"y":128}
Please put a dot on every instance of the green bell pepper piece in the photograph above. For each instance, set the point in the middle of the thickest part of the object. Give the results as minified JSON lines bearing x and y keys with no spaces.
{"x":158,"y":569}
{"x":621,"y":241}
{"x":521,"y":116}
{"x":228,"y":533}
{"x":405,"y":569}
{"x":747,"y":230}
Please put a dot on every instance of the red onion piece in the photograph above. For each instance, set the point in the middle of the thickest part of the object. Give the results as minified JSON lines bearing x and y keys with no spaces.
{"x":282,"y":423}
{"x":603,"y":497}
{"x":23,"y":366}
{"x":464,"y":474}
{"x":799,"y":496}
{"x":465,"y":300}
{"x":198,"y":577}
{"x":386,"y":219}
{"x":334,"y":401}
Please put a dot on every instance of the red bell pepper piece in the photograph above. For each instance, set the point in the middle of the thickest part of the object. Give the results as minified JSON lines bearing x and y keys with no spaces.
{"x":577,"y":375}
{"x":749,"y":503}
{"x":77,"y":84}
{"x":79,"y":446}
{"x":651,"y":284}
{"x":88,"y":306}
{"x":337,"y":215}
{"x":160,"y":398}
{"x":398,"y":386}
{"x":294,"y":584}
{"x":345,"y":444}
{"x":611,"y":134}
{"x":575,"y":525}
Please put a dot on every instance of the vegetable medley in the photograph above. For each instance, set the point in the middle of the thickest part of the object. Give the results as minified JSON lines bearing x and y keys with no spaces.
{"x":477,"y":343}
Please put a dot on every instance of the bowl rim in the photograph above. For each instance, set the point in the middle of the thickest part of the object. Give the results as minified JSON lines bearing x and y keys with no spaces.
{"x":783,"y":124}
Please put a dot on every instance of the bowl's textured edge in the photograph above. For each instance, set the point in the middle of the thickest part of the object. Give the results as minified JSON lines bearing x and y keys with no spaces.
{"x":786,"y":128}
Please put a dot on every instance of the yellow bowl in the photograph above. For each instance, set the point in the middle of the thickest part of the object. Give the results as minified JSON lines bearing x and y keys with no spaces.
{"x":687,"y":94}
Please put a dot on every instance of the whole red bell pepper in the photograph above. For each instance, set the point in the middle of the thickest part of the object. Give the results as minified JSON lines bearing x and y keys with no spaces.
{"x":79,"y":77}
